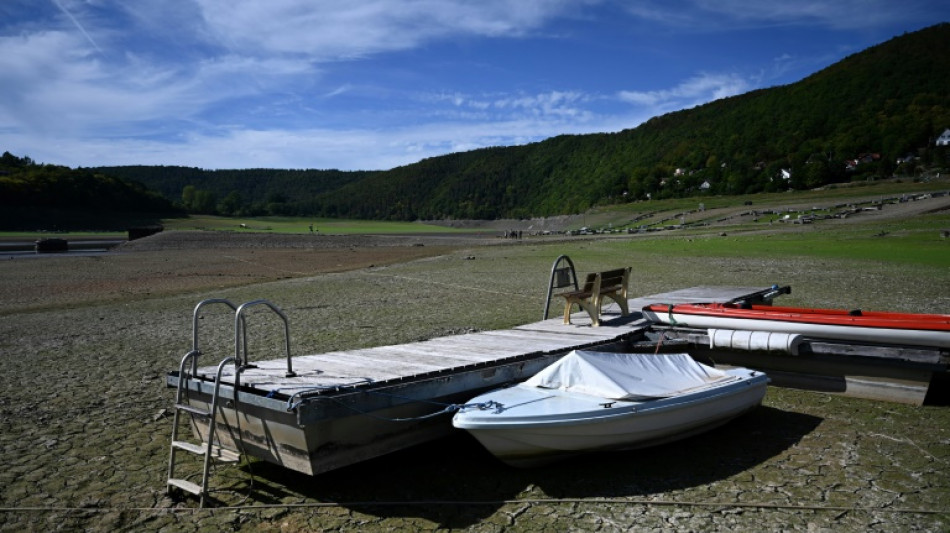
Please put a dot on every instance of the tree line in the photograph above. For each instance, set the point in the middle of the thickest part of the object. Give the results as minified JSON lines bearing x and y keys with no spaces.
{"x":42,"y":196}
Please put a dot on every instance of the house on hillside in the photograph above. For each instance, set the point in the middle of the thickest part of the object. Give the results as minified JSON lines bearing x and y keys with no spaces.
{"x":944,"y":139}
{"x":784,"y":174}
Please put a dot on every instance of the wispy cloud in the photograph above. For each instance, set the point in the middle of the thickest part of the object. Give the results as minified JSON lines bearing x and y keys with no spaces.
{"x":550,"y":105}
{"x":694,"y":91}
{"x":59,"y":4}
{"x":329,"y":30}
{"x":716,"y":15}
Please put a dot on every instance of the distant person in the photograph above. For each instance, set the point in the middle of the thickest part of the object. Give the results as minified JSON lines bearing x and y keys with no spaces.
{"x":311,"y":228}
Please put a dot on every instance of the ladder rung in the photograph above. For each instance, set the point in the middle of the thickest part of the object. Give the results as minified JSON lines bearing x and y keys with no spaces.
{"x":193,"y":410}
{"x":217,"y":452}
{"x":185,"y":485}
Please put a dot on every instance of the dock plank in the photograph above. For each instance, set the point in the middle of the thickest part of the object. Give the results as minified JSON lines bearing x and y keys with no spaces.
{"x":442,"y":354}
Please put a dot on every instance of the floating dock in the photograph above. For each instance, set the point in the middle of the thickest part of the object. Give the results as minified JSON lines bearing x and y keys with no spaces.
{"x":315,"y":413}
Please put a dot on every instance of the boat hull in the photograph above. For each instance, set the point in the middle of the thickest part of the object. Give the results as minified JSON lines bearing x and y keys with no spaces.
{"x":559,"y":424}
{"x":863,"y":327}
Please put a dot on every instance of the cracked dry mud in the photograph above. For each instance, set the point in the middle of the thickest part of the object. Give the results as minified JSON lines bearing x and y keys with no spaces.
{"x":84,"y":433}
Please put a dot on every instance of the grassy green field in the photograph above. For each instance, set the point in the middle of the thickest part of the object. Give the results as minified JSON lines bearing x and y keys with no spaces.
{"x":900,"y":243}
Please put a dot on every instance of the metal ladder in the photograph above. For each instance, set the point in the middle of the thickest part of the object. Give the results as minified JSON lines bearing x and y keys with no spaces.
{"x":211,"y":449}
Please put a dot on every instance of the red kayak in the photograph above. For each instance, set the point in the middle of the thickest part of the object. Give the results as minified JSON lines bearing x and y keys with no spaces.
{"x":915,"y":329}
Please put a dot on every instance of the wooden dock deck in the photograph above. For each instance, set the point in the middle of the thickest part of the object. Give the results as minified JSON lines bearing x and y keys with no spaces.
{"x":347,"y":406}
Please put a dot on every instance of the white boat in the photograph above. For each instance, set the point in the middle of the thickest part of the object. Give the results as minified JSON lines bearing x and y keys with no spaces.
{"x":592,"y":401}
{"x":914,"y":329}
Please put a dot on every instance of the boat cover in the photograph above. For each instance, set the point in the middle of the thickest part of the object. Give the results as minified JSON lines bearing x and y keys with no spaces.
{"x":626,"y":376}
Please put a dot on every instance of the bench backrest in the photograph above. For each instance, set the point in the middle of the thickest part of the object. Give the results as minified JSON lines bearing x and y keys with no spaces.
{"x":612,"y":278}
{"x":609,"y":278}
{"x":589,"y":282}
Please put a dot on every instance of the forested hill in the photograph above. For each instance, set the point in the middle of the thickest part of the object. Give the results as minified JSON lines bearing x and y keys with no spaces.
{"x":52,"y":197}
{"x":849,"y":121}
{"x":246,"y":191}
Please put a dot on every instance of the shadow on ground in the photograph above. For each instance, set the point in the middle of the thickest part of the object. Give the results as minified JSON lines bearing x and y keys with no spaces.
{"x":456,"y":483}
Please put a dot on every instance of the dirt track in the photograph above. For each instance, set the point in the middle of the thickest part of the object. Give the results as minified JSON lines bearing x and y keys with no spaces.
{"x":85,"y":343}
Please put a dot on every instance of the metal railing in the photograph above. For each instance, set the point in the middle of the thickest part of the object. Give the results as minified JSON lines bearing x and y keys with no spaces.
{"x":560,"y":277}
{"x":240,"y":331}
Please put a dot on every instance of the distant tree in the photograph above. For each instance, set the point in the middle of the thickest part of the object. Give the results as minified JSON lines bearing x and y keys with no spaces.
{"x":196,"y":200}
{"x":11,"y":161}
{"x":231,"y":205}
{"x":188,"y":197}
{"x":818,"y":172}
{"x":205,"y":202}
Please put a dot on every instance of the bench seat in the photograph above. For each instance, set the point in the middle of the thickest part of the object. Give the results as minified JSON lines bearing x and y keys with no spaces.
{"x":599,"y":285}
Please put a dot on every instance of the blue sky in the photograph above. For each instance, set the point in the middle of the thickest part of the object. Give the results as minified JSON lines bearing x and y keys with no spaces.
{"x":374,"y":84}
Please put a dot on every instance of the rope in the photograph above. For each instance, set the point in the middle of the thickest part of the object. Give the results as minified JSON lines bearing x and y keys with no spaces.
{"x":659,"y":342}
{"x":502,"y":502}
{"x":673,"y":321}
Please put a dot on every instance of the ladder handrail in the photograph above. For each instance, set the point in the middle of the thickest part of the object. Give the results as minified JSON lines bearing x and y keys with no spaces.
{"x":212,"y":422}
{"x":178,"y":394}
{"x":181,"y":372}
{"x":554,"y":270}
{"x":239,"y":328}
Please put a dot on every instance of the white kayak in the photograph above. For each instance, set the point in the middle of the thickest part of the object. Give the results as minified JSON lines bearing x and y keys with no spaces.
{"x":590,"y":401}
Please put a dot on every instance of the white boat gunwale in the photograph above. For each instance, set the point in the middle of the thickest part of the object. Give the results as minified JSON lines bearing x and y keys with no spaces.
{"x":913,"y":337}
{"x":619,"y":409}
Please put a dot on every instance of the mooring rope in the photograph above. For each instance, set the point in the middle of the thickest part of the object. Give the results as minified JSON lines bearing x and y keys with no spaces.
{"x":673,"y":321}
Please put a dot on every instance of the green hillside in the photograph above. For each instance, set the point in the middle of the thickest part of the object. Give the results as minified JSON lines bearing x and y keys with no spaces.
{"x":885,"y":102}
{"x":851,"y":121}
{"x":51,"y":197}
{"x":258,"y":191}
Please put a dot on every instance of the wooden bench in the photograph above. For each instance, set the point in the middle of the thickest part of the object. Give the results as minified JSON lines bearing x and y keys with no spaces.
{"x":610,"y":284}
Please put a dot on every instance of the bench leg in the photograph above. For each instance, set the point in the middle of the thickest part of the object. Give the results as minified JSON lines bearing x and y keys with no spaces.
{"x":592,"y":309}
{"x":567,"y":311}
{"x":622,"y":302}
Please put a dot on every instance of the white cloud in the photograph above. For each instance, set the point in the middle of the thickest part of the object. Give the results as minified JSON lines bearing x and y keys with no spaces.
{"x":328,"y":30}
{"x":838,"y":14}
{"x":692,"y":92}
{"x":54,"y":81}
{"x":550,"y":105}
{"x":706,"y":15}
{"x":346,"y":149}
